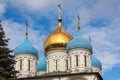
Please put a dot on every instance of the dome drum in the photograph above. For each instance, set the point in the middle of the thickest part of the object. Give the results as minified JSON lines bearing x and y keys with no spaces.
{"x":57,"y":46}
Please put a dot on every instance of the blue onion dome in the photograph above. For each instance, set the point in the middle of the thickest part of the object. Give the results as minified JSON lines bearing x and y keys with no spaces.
{"x":79,"y":42}
{"x":96,"y":62}
{"x":42,"y":64}
{"x":26,"y":48}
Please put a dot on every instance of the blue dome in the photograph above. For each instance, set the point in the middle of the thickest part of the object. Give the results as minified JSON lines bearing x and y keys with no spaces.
{"x":96,"y":62}
{"x":26,"y":48}
{"x":42,"y":64}
{"x":79,"y":42}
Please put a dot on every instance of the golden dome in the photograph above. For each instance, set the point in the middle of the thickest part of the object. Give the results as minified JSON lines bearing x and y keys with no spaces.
{"x":57,"y":40}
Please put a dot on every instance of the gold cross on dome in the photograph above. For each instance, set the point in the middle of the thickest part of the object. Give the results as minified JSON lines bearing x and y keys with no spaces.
{"x":78,"y":22}
{"x":26,"y":23}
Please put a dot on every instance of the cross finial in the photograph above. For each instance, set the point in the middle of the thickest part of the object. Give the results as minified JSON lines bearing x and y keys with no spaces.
{"x":26,"y":23}
{"x":59,"y":12}
{"x":78,"y":22}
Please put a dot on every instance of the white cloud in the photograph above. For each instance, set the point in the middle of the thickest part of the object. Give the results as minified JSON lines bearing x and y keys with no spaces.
{"x":106,"y":8}
{"x":109,"y":60}
{"x":106,"y":43}
{"x":2,"y":8}
{"x":32,"y":5}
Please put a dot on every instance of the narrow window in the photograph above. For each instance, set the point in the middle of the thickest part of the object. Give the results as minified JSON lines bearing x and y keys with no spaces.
{"x":85,"y":60}
{"x":21,"y":64}
{"x":48,"y":66}
{"x":70,"y":61}
{"x":66,"y":64}
{"x":76,"y":60}
{"x":56,"y":64}
{"x":28,"y":65}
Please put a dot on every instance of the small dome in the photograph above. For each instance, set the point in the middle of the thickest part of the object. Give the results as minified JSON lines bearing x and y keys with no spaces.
{"x":96,"y":62}
{"x":42,"y":64}
{"x":26,"y":48}
{"x":79,"y":42}
{"x":57,"y":40}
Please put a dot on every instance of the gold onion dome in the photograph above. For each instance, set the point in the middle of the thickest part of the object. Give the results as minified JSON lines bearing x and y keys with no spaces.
{"x":58,"y":39}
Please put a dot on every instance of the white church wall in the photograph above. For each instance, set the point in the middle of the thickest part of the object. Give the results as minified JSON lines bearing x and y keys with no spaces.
{"x":91,"y":77}
{"x":41,"y":73}
{"x":96,"y":69}
{"x":22,"y":65}
{"x":77,"y":61}
{"x":56,"y":61}
{"x":61,"y":78}
{"x":84,"y":77}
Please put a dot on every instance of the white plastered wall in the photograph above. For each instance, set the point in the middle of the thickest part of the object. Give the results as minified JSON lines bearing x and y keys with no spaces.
{"x":25,"y":58}
{"x":84,"y":77}
{"x":73,"y":68}
{"x":97,"y":69}
{"x":60,"y":65}
{"x":41,"y":73}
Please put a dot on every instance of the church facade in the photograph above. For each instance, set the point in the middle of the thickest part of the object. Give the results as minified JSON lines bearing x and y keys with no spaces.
{"x":66,"y":58}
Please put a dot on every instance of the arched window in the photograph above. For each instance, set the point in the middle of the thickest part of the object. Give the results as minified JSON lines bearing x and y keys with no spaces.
{"x":29,"y":65}
{"x":56,"y":64}
{"x":77,"y":60}
{"x":20,"y":64}
{"x":66,"y":64}
{"x":48,"y":65}
{"x":85,"y":61}
{"x":70,"y":62}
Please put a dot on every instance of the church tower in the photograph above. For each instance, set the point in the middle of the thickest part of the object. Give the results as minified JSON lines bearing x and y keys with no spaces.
{"x":80,"y":51}
{"x":26,"y":57}
{"x":55,"y":47}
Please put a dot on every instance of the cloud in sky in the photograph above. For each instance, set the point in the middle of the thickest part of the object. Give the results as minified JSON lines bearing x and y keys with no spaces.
{"x":99,"y":19}
{"x":31,"y":5}
{"x":2,"y":8}
{"x":106,"y":44}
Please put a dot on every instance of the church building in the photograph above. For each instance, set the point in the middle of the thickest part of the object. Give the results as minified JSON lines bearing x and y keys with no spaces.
{"x":65,"y":57}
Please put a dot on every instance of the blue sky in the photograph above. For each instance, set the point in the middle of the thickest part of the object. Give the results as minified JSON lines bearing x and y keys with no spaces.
{"x":100,"y":19}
